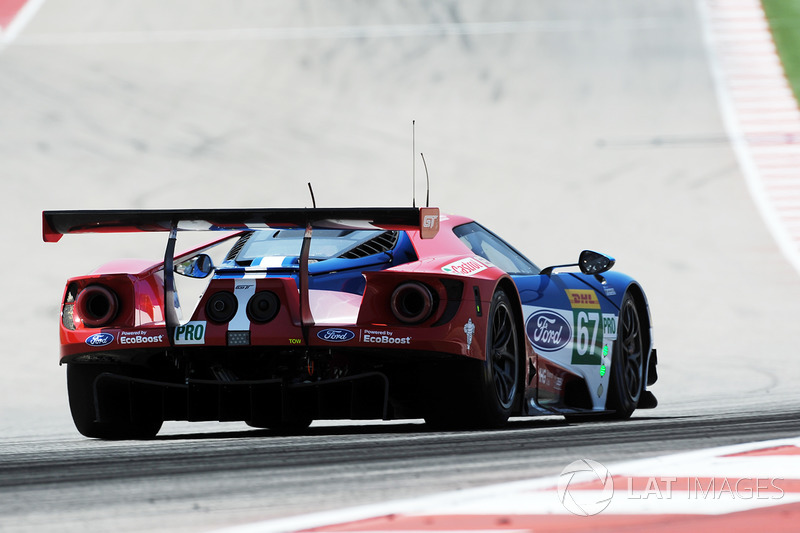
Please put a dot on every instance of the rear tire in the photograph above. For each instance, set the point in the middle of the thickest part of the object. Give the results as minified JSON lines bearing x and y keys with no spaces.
{"x":81,"y":390}
{"x":486,"y":392}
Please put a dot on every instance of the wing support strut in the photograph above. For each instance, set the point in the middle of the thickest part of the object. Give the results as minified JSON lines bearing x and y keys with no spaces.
{"x":170,"y":310}
{"x":306,"y":318}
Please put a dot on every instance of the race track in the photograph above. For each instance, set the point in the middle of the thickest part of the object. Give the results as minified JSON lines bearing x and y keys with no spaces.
{"x":560,"y":125}
{"x":197,"y":482}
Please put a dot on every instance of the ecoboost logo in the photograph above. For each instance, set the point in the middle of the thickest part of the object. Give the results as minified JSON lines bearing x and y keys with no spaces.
{"x":585,"y":487}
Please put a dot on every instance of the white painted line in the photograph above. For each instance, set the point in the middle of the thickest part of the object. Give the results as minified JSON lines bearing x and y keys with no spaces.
{"x":22,"y":19}
{"x":538,"y":498}
{"x":729,"y":28}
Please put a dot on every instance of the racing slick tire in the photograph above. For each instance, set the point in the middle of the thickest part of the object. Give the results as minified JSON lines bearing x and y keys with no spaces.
{"x":627,"y":369}
{"x":487,"y":392}
{"x":81,"y":390}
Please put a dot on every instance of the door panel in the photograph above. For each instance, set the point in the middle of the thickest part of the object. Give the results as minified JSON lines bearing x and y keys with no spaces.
{"x":571,"y":329}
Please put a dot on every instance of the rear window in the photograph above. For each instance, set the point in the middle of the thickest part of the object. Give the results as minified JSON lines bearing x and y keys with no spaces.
{"x":325,"y":243}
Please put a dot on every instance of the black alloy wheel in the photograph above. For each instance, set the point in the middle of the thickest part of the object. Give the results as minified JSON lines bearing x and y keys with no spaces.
{"x":498,"y":385}
{"x":502,"y":352}
{"x":627,"y":372}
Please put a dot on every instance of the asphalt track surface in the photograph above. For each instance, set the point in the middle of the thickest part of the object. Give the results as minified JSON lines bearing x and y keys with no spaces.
{"x":191,"y":482}
{"x":561,"y":125}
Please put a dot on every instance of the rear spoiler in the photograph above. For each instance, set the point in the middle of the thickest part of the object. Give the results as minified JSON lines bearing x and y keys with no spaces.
{"x":58,"y":223}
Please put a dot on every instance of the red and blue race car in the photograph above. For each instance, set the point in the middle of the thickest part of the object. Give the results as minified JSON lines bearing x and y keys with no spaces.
{"x":344,"y":313}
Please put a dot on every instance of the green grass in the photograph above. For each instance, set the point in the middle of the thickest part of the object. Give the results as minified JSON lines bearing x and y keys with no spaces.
{"x":784,"y":20}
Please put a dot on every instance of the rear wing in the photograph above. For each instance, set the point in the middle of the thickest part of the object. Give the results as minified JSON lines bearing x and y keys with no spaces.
{"x":58,"y":223}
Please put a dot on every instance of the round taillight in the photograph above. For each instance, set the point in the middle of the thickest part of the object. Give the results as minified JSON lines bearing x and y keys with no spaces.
{"x":412,"y":302}
{"x":263,"y":306}
{"x":221,"y":307}
{"x":97,"y":306}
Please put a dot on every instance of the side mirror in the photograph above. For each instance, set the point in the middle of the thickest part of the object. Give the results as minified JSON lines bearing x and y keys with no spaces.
{"x":199,"y":266}
{"x":594,"y":262}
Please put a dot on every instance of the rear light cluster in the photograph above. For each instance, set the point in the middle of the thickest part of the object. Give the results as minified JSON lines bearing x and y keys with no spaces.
{"x":262,"y":307}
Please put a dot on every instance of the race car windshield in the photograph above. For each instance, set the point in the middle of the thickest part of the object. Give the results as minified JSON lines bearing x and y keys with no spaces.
{"x":325,"y":243}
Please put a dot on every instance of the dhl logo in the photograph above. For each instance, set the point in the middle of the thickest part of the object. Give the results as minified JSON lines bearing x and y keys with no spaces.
{"x":583,"y":299}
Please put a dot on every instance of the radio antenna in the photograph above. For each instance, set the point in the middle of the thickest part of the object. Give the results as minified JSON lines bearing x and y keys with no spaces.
{"x":414,"y":163}
{"x":313,"y":201}
{"x":427,"y":182}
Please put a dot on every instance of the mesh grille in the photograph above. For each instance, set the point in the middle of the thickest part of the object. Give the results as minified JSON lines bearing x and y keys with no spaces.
{"x":382,"y":243}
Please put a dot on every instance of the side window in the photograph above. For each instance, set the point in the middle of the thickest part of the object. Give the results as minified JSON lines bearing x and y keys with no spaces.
{"x":486,"y":244}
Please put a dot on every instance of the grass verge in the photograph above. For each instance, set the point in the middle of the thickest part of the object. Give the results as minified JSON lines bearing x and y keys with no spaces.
{"x":784,"y":20}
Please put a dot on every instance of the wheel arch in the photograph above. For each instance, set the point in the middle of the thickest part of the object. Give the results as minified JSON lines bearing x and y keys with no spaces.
{"x":643,"y":308}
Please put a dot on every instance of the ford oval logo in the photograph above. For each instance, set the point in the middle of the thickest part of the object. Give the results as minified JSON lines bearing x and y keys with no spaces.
{"x":548,"y":331}
{"x":336,"y":335}
{"x":100,"y":339}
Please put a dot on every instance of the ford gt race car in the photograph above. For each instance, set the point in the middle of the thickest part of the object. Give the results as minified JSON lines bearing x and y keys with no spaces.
{"x":344,"y":313}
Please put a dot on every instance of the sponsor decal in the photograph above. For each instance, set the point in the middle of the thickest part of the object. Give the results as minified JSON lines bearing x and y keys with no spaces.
{"x":610,"y":291}
{"x":550,"y":380}
{"x":609,"y":326}
{"x":469,"y":329}
{"x":100,"y":339}
{"x":587,"y":345}
{"x":191,"y":333}
{"x":548,"y":331}
{"x":138,"y":337}
{"x":467,"y":267}
{"x":383,"y":337}
{"x":583,"y":299}
{"x":336,"y":335}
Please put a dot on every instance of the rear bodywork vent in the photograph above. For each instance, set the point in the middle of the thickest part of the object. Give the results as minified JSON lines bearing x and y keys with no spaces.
{"x":384,"y":242}
{"x":238,"y":246}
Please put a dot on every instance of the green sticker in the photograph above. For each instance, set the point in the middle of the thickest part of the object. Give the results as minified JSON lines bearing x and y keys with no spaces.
{"x":587,"y":344}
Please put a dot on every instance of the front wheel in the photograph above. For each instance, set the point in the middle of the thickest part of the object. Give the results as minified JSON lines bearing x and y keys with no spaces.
{"x":627,"y":369}
{"x":83,"y":406}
